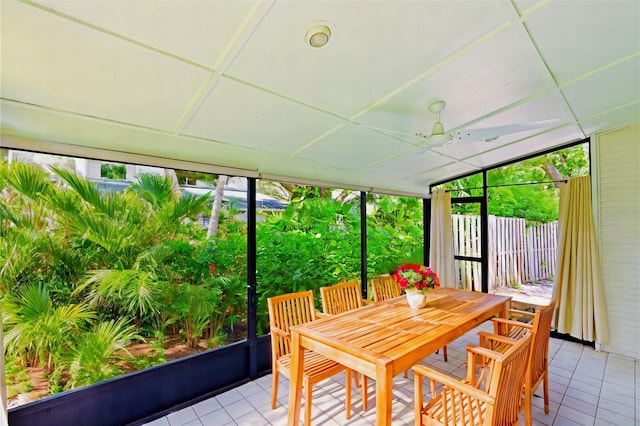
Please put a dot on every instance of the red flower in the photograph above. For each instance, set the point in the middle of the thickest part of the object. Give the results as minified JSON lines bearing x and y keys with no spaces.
{"x":414,"y":276}
{"x":212,"y":268}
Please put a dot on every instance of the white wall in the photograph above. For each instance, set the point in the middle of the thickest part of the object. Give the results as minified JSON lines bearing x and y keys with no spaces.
{"x":616,"y":186}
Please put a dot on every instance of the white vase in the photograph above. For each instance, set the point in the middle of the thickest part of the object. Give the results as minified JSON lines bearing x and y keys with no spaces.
{"x":416,"y":299}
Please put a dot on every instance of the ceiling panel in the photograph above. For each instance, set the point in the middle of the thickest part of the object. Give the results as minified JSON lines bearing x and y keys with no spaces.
{"x":170,"y":26}
{"x":383,"y":45}
{"x":585,"y":35}
{"x":613,"y":119}
{"x":411,"y":163}
{"x":435,"y":175}
{"x":525,"y":147}
{"x":595,"y":93}
{"x":238,"y":114}
{"x":352,"y":147}
{"x":56,"y":63}
{"x":497,"y":73}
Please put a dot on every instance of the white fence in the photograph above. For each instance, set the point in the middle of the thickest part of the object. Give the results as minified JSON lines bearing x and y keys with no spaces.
{"x":517,"y":254}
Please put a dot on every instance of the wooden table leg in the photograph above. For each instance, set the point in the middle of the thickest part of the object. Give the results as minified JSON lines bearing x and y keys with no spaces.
{"x":295,"y":387}
{"x":384,"y":395}
{"x":504,"y":313}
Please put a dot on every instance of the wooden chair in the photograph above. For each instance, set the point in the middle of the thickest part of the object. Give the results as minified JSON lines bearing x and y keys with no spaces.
{"x":286,"y":311}
{"x":340,"y":298}
{"x":539,"y":325}
{"x":494,"y":399}
{"x":385,"y":287}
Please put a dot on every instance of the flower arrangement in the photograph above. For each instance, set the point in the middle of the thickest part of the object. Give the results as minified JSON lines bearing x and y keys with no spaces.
{"x":421,"y":278}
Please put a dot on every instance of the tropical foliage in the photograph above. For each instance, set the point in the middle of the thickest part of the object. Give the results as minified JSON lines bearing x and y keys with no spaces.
{"x":84,"y":272}
{"x":512,"y":192}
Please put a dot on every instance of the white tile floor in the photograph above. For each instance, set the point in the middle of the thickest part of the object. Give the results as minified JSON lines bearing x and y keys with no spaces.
{"x":586,"y":388}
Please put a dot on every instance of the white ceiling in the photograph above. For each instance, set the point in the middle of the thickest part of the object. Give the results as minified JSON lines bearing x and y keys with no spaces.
{"x":234,"y":83}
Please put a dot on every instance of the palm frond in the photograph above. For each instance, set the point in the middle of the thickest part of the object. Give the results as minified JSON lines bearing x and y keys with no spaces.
{"x":91,"y":359}
{"x":16,"y":217}
{"x":65,"y":202}
{"x":131,"y":288}
{"x":88,"y":191}
{"x":188,"y":206}
{"x":30,"y":181}
{"x":156,"y":190}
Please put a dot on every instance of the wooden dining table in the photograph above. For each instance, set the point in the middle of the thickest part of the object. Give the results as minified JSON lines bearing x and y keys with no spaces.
{"x":382,"y":340}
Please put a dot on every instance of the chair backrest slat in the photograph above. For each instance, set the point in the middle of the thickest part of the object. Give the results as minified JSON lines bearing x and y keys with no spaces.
{"x":285,"y":311}
{"x":341,"y":297}
{"x":385,"y":287}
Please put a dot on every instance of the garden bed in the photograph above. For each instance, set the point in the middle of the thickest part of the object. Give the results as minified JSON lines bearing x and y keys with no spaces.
{"x":36,"y":385}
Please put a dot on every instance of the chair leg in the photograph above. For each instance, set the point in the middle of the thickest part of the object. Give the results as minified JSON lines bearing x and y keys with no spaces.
{"x":347,"y":386}
{"x":444,"y":353}
{"x":365,"y":394}
{"x":307,"y":405}
{"x":356,"y":379}
{"x":528,"y":395}
{"x":546,"y":390}
{"x":274,"y":388}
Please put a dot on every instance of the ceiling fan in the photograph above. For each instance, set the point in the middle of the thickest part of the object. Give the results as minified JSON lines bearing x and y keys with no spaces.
{"x":439,"y":137}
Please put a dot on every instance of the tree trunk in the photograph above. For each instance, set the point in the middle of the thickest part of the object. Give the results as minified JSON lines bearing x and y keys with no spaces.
{"x":553,"y":173}
{"x":214,"y":220}
{"x":175,"y":185}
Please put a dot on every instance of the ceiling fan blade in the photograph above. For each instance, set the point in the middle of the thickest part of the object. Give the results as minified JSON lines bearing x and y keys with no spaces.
{"x":489,"y":134}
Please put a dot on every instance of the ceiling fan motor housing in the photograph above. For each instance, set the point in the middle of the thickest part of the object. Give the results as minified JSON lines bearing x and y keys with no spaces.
{"x":438,"y":128}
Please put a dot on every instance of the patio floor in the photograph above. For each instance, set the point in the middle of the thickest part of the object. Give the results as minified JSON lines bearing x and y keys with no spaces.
{"x":586,"y":388}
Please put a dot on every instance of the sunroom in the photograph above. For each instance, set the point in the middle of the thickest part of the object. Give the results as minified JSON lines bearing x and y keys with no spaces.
{"x":388,"y":99}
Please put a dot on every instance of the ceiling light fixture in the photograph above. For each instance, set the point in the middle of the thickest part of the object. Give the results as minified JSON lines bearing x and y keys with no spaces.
{"x":319,"y":35}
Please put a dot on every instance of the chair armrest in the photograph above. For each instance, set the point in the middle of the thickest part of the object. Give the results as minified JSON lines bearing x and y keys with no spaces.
{"x":484,"y":335}
{"x":494,"y":342}
{"x":322,"y":315}
{"x":522,"y":313}
{"x":424,"y":371}
{"x":500,"y":324}
{"x":479,"y":350}
{"x":368,"y":302}
{"x":280,"y":332}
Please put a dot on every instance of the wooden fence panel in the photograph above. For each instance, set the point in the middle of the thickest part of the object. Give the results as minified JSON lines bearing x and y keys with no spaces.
{"x":543,"y":244}
{"x":466,"y":241}
{"x":516,"y":254}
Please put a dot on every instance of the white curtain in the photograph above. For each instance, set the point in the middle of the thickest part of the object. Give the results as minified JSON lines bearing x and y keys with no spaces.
{"x":580,"y":309}
{"x":441,"y":248}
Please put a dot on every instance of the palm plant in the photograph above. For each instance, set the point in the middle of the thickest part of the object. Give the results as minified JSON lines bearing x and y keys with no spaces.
{"x":34,"y":184}
{"x":38,"y":332}
{"x":20,"y":257}
{"x":192,"y":307}
{"x":124,"y":291}
{"x":156,"y":190}
{"x":92,"y":354}
{"x":231,"y":304}
{"x":168,"y":206}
